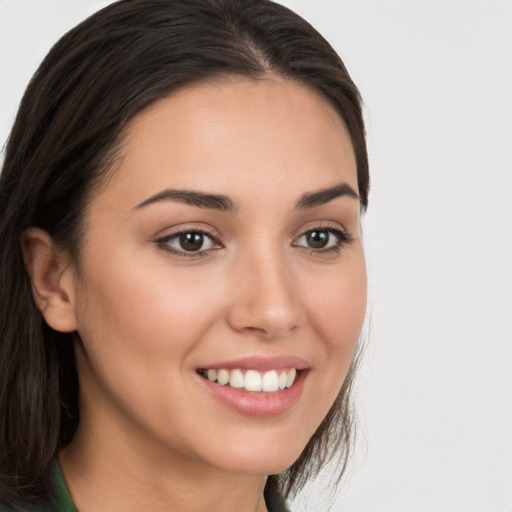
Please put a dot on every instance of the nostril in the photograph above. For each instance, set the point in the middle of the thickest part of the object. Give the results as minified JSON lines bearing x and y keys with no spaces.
{"x":264,"y":303}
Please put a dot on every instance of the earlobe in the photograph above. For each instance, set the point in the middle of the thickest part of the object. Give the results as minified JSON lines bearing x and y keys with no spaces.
{"x":51,"y":279}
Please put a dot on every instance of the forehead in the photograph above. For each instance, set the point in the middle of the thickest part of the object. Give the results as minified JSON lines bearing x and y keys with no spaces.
{"x":235,"y":135}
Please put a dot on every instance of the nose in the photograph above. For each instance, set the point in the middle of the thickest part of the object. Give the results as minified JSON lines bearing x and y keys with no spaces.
{"x":265,"y":301}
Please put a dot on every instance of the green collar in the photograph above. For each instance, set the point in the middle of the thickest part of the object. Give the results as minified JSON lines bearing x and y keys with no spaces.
{"x":62,"y":501}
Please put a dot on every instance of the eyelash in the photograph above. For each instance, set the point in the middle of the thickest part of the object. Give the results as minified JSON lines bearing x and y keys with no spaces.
{"x":343,"y":238}
{"x":164,"y":242}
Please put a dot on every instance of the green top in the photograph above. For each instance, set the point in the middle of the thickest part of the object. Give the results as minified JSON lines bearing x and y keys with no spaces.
{"x":63,"y":502}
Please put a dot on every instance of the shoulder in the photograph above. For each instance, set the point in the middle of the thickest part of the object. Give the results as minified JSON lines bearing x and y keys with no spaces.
{"x":8,"y":507}
{"x":56,"y":506}
{"x":62,"y":501}
{"x":273,"y":498}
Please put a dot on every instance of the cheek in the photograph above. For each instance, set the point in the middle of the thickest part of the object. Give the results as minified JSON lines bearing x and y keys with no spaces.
{"x":339,"y":304}
{"x":336,"y":313}
{"x":138,"y":325}
{"x":144,"y":306}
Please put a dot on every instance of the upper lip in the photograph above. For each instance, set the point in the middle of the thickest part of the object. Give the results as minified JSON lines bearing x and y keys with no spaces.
{"x":260,"y":363}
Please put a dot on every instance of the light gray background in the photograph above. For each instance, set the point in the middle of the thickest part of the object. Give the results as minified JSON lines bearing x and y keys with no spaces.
{"x":435,"y":393}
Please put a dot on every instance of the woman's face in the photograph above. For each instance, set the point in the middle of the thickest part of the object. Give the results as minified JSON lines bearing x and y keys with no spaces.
{"x":226,"y":245}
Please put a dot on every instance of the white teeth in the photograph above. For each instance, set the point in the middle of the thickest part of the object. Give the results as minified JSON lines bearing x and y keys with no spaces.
{"x":270,"y":381}
{"x":282,"y":380}
{"x":223,"y":377}
{"x":290,"y":377}
{"x":252,"y":380}
{"x":236,"y":380}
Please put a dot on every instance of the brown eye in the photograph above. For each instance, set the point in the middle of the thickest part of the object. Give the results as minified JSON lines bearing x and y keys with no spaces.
{"x":188,"y":242}
{"x":191,"y":241}
{"x":317,"y":239}
{"x":323,"y":239}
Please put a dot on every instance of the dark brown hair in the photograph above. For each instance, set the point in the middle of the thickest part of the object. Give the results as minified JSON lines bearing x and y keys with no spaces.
{"x":64,"y":140}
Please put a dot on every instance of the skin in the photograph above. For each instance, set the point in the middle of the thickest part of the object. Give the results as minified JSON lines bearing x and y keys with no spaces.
{"x":149,"y":317}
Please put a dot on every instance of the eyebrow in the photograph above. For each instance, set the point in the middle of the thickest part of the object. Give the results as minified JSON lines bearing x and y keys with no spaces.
{"x":226,"y":204}
{"x":320,"y":197}
{"x":199,"y":199}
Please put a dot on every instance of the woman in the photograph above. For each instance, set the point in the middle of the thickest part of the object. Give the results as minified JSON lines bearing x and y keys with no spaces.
{"x":180,"y":224}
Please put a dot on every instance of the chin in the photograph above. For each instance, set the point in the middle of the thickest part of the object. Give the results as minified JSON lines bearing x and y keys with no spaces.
{"x":262,"y":457}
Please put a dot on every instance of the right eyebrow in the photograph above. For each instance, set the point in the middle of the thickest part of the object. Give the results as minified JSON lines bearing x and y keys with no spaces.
{"x":192,"y":197}
{"x":319,"y":197}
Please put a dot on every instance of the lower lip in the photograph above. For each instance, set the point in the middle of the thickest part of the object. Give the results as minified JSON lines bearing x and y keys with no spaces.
{"x":252,"y":403}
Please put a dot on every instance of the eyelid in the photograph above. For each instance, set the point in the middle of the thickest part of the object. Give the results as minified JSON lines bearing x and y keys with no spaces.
{"x":324,"y":226}
{"x":344,"y":237}
{"x":163,"y":240}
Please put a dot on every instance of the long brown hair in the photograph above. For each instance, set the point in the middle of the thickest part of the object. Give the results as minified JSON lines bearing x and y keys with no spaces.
{"x":64,"y":140}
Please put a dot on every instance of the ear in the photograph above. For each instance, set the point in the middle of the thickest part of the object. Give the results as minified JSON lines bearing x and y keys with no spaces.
{"x":52,"y":279}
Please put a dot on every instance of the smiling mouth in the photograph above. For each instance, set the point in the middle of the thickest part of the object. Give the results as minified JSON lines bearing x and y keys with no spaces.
{"x":271,"y":381}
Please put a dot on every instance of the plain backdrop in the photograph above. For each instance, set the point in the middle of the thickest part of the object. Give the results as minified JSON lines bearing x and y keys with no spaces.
{"x":435,"y":392}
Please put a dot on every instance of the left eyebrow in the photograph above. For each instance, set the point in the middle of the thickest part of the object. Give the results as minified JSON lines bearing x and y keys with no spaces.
{"x":320,"y":197}
{"x":194,"y":198}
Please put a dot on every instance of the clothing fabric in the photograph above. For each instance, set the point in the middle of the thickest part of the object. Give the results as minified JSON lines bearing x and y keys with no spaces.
{"x":62,"y":499}
{"x":64,"y":503}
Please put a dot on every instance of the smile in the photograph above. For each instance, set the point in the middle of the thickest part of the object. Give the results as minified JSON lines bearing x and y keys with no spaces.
{"x":270,"y":381}
{"x":256,"y":385}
